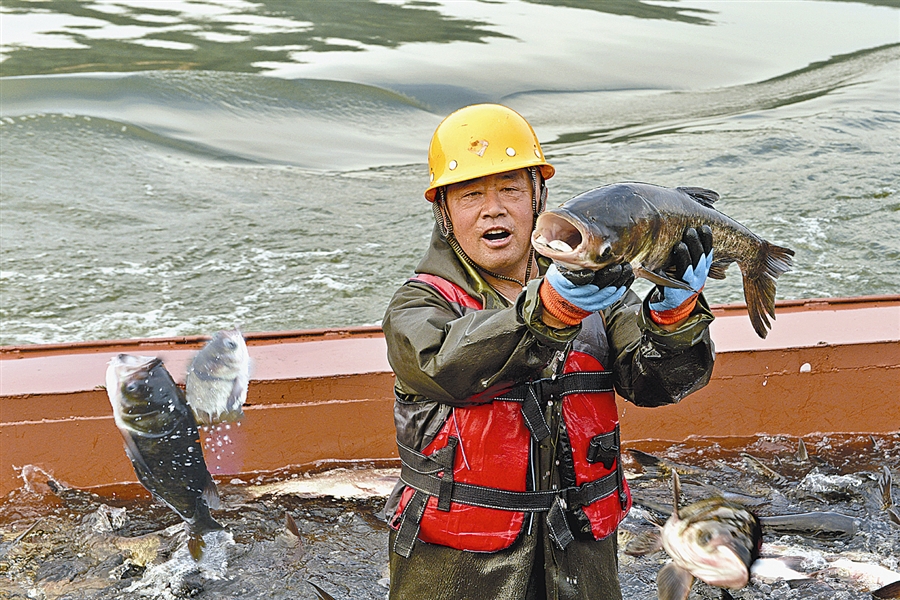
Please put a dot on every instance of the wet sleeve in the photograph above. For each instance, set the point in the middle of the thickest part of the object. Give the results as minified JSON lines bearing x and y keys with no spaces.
{"x":452,"y":358}
{"x":653,"y":366}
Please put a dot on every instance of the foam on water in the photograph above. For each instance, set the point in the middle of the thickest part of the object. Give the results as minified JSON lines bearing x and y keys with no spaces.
{"x":168,"y":580}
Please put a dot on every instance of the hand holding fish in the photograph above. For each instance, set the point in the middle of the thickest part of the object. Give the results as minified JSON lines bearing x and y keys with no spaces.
{"x":692,"y":258}
{"x":571,"y":302}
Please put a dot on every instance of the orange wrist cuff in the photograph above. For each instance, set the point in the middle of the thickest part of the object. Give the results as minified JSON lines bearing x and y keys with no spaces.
{"x":559,"y":307}
{"x":673,"y":315}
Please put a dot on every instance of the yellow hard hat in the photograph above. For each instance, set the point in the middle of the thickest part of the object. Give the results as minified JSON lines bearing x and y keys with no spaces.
{"x":479,"y":140}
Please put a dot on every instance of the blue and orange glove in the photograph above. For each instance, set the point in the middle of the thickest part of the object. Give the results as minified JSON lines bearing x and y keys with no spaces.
{"x":692,"y":257}
{"x":571,"y":302}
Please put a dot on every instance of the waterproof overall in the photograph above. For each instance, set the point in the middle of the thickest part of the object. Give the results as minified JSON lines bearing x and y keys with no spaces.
{"x":463,"y":361}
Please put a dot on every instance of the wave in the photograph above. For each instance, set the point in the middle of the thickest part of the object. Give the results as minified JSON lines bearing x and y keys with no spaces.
{"x":316,"y":124}
{"x":617,"y":116}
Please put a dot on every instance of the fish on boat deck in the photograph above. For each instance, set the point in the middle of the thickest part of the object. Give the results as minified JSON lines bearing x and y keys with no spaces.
{"x":713,"y":540}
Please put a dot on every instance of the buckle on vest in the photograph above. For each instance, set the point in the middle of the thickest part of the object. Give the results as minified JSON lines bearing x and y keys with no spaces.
{"x":446,"y":456}
{"x":604,"y":448}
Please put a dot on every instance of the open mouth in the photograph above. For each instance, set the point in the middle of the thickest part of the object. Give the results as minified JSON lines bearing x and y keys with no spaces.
{"x":555,"y":236}
{"x":496,"y":235}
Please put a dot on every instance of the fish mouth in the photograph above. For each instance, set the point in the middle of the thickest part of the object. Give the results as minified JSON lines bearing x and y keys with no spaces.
{"x":125,"y":366}
{"x":560,"y":239}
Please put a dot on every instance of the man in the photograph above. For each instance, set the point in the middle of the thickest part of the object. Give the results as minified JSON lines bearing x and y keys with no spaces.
{"x":511,"y":483}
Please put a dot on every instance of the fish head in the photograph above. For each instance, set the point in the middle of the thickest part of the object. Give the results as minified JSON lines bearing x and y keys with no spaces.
{"x":225,"y":355}
{"x":597,"y":228}
{"x":143,"y":395}
{"x":571,"y":242}
{"x":715,"y":540}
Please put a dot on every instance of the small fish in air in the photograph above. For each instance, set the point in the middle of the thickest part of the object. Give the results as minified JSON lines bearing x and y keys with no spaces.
{"x":217,"y":379}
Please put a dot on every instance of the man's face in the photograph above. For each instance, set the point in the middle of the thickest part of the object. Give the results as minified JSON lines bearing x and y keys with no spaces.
{"x":492,"y":220}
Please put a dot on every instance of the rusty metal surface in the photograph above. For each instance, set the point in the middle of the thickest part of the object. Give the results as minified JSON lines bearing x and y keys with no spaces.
{"x":326,"y":395}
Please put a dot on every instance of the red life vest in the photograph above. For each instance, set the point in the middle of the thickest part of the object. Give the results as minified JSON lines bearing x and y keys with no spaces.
{"x":490,"y":446}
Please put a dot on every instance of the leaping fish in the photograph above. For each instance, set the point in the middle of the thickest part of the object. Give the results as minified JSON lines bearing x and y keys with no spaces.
{"x":162,"y":441}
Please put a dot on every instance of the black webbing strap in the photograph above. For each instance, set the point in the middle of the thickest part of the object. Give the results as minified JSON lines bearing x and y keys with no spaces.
{"x":433,"y":475}
{"x":532,"y":393}
{"x":558,"y":524}
{"x":427,"y":475}
{"x":409,"y":524}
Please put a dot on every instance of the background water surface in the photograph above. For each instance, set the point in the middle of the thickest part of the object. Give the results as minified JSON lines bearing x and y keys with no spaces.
{"x":176,"y":167}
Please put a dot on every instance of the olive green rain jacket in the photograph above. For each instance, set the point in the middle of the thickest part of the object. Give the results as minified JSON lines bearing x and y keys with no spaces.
{"x":444,"y":354}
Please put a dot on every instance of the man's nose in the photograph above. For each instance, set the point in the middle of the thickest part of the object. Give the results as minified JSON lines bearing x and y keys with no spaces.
{"x":493,"y":204}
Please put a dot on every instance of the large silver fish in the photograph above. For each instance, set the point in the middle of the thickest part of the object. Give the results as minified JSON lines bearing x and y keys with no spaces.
{"x":713,"y":540}
{"x":216,"y":382}
{"x":162,"y":441}
{"x":641,"y":224}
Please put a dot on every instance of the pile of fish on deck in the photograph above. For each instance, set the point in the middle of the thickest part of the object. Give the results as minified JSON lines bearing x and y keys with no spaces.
{"x":720,"y":540}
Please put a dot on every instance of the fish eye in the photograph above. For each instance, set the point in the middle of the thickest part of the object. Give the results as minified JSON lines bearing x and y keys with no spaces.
{"x":704,"y":538}
{"x":133,"y":387}
{"x":231,"y":344}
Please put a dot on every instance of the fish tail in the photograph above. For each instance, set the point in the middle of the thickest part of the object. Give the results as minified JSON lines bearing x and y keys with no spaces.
{"x":201,"y":523}
{"x":759,"y":283}
{"x":196,"y":544}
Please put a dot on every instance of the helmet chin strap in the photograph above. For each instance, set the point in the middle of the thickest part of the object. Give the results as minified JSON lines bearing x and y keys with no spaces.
{"x":445,"y":226}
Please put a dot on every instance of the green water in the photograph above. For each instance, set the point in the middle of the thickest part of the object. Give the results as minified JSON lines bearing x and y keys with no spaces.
{"x":174,"y":168}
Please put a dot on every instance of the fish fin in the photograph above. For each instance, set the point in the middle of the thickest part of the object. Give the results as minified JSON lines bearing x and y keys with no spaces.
{"x":320,"y":593}
{"x":643,"y":458}
{"x":141,"y":468}
{"x":894,"y":516}
{"x":673,"y":582}
{"x":291,"y":525}
{"x":196,"y":544}
{"x":726,"y":595}
{"x":660,"y":279}
{"x":702,"y":195}
{"x":646,"y":542}
{"x":676,"y":492}
{"x":884,"y":486}
{"x":718,"y":268}
{"x":759,"y":284}
{"x":236,"y":399}
{"x":210,"y":495}
{"x":891,"y":590}
{"x":802,"y":453}
{"x":657,"y":519}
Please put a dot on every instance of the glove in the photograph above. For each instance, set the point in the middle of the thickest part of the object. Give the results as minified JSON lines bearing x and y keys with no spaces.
{"x":692,"y":257}
{"x":571,"y":302}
